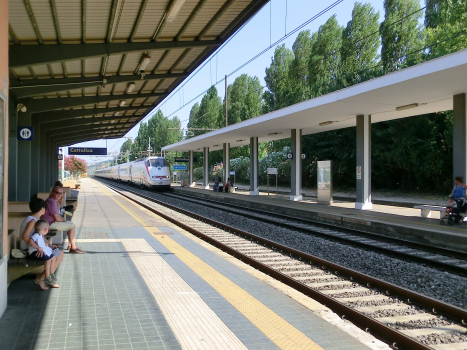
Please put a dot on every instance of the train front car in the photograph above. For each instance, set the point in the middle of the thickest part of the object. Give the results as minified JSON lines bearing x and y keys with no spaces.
{"x":156,"y":173}
{"x":159,"y":171}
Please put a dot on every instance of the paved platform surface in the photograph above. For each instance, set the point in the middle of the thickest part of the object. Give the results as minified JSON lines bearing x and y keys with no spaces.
{"x":145,"y":284}
{"x":393,"y":221}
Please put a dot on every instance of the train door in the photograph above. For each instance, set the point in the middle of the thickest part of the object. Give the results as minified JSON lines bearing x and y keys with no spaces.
{"x":129,"y":174}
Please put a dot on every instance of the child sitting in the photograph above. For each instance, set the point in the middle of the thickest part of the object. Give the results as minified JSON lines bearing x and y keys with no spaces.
{"x":52,"y":257}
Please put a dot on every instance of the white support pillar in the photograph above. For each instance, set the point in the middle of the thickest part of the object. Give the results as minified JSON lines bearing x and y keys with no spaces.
{"x":363,"y":171}
{"x":206,"y":168}
{"x":254,"y":166}
{"x":459,"y":136}
{"x":190,"y":166}
{"x":226,"y":160}
{"x":296,"y":173}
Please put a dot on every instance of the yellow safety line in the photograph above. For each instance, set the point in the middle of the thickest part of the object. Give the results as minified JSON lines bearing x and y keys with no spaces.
{"x":281,"y":332}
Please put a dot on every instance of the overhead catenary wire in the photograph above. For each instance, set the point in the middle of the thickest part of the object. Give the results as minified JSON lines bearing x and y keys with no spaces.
{"x":260,"y":54}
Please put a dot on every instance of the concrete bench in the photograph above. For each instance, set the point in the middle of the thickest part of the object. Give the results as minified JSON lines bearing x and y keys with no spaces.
{"x":427,"y":209}
{"x":20,"y":267}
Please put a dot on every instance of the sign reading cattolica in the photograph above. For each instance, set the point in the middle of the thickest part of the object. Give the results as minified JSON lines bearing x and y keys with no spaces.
{"x":87,"y":151}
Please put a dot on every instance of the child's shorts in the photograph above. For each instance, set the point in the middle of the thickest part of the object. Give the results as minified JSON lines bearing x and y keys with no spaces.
{"x":40,"y":258}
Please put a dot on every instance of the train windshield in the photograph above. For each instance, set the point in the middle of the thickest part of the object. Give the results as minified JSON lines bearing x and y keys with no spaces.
{"x":158,"y":162}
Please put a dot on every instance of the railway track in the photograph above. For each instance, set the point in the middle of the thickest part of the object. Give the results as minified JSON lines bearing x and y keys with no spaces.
{"x":398,"y":316}
{"x":442,"y":259}
{"x":439,"y":258}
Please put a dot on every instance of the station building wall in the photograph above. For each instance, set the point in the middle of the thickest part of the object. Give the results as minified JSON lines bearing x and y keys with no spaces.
{"x":3,"y":152}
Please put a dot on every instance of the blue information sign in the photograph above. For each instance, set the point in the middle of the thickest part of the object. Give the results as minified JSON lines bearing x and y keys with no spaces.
{"x":87,"y":151}
{"x":179,"y":167}
{"x":25,"y":133}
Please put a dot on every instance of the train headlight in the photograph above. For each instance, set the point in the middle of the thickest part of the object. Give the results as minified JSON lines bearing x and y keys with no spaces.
{"x":167,"y":177}
{"x":154,"y":177}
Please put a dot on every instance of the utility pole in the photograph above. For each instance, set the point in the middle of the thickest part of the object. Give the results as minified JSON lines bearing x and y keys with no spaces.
{"x":149,"y":148}
{"x":226,"y":103}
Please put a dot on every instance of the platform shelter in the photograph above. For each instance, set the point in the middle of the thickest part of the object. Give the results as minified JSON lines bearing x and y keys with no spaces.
{"x":78,"y":71}
{"x":429,"y":87}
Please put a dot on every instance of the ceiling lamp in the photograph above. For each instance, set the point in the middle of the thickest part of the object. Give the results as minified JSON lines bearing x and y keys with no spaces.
{"x":240,"y":140}
{"x":175,"y":8}
{"x":215,"y":146}
{"x":274,"y":133}
{"x":142,"y":65}
{"x":412,"y":105}
{"x":121,"y":103}
{"x":116,"y":114}
{"x":326,"y":123}
{"x":130,"y":87}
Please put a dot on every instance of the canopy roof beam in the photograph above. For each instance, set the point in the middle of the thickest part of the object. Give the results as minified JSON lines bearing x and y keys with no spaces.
{"x":62,"y":141}
{"x":26,"y":88}
{"x":86,"y":121}
{"x":31,"y":55}
{"x":50,"y":104}
{"x":56,"y":116}
{"x":79,"y":129}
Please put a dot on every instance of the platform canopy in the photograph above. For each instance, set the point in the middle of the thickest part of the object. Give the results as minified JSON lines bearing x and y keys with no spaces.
{"x":79,"y":63}
{"x":425,"y":88}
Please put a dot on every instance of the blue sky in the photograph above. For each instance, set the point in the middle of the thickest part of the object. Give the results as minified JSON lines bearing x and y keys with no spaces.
{"x":253,"y":38}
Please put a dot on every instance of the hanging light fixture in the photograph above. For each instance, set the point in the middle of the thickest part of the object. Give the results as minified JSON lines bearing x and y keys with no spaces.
{"x":412,"y":105}
{"x":130,"y":87}
{"x":174,"y":10}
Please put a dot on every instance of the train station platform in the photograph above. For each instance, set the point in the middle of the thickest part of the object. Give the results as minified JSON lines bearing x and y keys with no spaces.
{"x":144,"y":283}
{"x":393,"y":220}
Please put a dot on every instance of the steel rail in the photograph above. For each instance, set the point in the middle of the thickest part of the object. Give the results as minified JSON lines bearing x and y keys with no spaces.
{"x":409,"y":244}
{"x":387,"y":334}
{"x":458,"y":270}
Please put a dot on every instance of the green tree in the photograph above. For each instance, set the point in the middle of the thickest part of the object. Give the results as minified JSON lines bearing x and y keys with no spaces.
{"x":210,"y":110}
{"x":325,"y":57}
{"x":360,"y":44}
{"x":446,"y":26}
{"x":277,"y":80}
{"x":244,"y":100}
{"x":401,"y":34}
{"x":193,"y":121}
{"x":125,"y":150}
{"x":298,"y":72}
{"x":161,"y":133}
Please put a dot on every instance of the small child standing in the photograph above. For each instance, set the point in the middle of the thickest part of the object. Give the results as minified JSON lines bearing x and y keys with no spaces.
{"x":54,"y":256}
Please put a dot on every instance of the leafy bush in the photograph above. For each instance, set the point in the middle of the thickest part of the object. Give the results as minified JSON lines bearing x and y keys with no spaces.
{"x":277,"y":160}
{"x":197,"y":174}
{"x":241,"y":166}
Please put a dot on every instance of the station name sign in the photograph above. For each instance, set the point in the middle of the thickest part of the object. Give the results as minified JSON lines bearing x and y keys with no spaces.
{"x":182,"y":159}
{"x":87,"y":151}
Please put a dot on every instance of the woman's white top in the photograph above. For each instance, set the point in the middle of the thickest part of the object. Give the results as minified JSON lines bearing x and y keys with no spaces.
{"x":22,"y":244}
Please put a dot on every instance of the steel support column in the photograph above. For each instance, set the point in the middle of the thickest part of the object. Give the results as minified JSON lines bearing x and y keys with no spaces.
{"x":43,"y":162}
{"x":363,"y":163}
{"x":206,"y":168}
{"x":24,"y":161}
{"x":296,"y":180}
{"x":12,"y":151}
{"x":226,"y":160}
{"x":36,"y":166}
{"x":190,"y":166}
{"x":254,"y":166}
{"x":459,"y":136}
